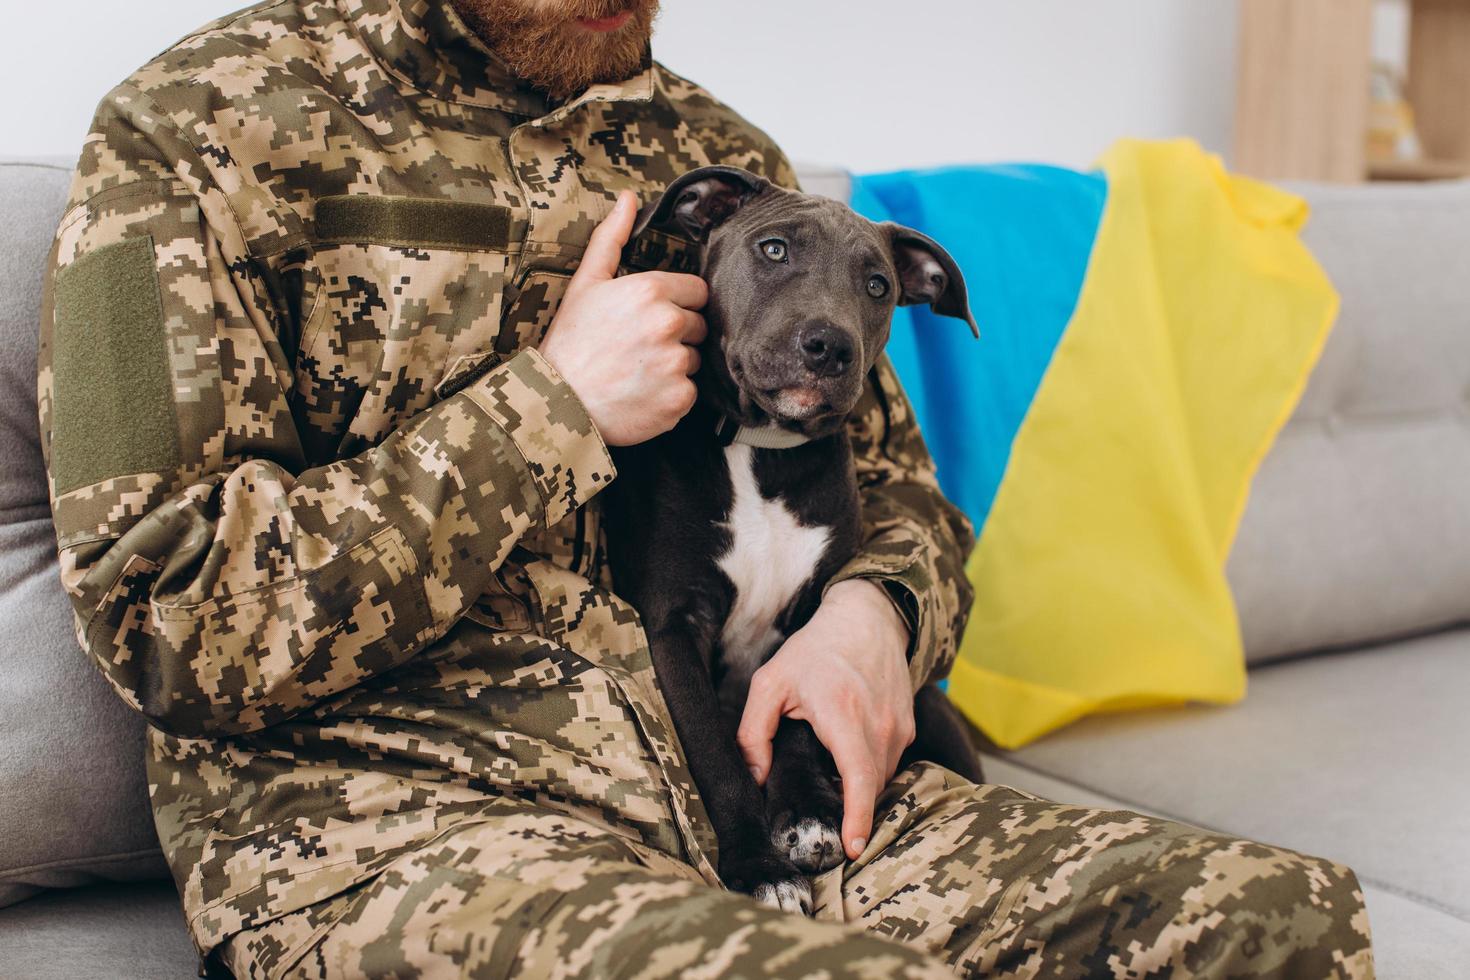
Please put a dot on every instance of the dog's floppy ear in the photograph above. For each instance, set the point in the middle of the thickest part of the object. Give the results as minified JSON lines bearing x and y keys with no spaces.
{"x":700,"y":200}
{"x":927,"y":274}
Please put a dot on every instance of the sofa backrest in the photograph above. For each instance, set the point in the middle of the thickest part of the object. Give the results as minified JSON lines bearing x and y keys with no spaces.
{"x":73,"y":798}
{"x":1358,"y":526}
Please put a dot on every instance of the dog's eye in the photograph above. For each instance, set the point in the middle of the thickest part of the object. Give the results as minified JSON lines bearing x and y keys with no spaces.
{"x":774,"y":249}
{"x":877,"y":287}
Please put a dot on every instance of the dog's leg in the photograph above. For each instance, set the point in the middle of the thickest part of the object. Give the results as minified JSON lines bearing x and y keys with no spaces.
{"x":804,"y":793}
{"x":941,"y":736}
{"x":748,"y":861}
{"x":804,"y":799}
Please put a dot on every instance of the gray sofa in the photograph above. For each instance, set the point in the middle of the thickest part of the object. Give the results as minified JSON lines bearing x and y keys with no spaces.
{"x":1352,"y":571}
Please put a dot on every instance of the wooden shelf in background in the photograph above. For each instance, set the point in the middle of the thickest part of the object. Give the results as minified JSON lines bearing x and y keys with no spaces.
{"x":1439,"y":76}
{"x":1301,"y":108}
{"x":1302,"y":100}
{"x":1418,"y":169}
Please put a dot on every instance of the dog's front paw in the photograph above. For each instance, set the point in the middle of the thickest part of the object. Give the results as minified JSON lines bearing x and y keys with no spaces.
{"x":813,"y":843}
{"x":805,"y":816}
{"x":769,"y":879}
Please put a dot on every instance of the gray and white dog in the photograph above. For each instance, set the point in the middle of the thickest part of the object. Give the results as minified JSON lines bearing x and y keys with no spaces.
{"x":723,"y":531}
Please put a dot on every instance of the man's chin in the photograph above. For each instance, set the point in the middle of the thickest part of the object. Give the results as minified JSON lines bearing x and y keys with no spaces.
{"x":558,"y":54}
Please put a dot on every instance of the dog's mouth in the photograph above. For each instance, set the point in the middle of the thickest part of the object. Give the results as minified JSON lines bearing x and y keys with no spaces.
{"x":802,"y":406}
{"x":796,"y":404}
{"x":789,"y":397}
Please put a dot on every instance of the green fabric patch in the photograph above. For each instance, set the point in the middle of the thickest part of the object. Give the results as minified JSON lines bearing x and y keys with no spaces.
{"x":113,"y":409}
{"x":411,"y":222}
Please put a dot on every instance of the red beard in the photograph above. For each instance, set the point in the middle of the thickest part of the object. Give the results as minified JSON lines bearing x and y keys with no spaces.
{"x":541,"y":41}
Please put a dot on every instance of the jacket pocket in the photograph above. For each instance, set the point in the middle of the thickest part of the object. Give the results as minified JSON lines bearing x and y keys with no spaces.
{"x":408,"y":292}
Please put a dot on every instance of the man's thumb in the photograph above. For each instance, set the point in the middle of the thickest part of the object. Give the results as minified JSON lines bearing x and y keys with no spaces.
{"x":605,"y":247}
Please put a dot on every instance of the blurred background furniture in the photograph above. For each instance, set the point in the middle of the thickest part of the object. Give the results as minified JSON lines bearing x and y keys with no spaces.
{"x":1302,"y":98}
{"x":1352,"y":573}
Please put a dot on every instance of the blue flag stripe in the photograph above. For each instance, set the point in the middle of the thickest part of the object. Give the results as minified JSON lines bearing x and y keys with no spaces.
{"x":1023,"y":236}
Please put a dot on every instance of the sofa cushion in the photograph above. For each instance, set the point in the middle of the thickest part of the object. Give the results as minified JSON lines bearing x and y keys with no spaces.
{"x":1358,"y":526}
{"x":1358,"y":757}
{"x":830,"y":182}
{"x":73,"y":798}
{"x":110,"y":930}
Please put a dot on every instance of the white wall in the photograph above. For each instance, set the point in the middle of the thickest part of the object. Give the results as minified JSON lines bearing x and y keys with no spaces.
{"x":879,"y":84}
{"x":64,"y":55}
{"x":871,"y":84}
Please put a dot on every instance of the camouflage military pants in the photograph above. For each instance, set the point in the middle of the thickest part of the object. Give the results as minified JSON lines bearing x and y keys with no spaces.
{"x":975,"y":880}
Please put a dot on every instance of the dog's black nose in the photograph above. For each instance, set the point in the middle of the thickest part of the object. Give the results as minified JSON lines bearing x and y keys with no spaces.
{"x":825,"y":350}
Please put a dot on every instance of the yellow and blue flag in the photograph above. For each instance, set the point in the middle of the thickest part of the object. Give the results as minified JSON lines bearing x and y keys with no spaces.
{"x":1146,"y":329}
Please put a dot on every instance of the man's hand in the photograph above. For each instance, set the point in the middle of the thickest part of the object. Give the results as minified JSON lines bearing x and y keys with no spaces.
{"x":626,"y":346}
{"x":845,"y":672}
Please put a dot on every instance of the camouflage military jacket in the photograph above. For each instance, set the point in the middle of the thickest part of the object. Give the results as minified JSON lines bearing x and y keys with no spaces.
{"x":327,"y":517}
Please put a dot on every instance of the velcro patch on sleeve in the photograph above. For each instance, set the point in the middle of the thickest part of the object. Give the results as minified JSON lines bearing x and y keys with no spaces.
{"x":113,"y":410}
{"x":411,"y":222}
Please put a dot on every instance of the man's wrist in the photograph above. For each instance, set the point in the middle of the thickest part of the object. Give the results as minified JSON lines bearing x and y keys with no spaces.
{"x":872,"y":594}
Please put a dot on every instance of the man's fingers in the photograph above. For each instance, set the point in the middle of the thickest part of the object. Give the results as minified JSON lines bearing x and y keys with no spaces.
{"x":605,"y":247}
{"x":895,"y":742}
{"x":763,"y":706}
{"x":693,"y":330}
{"x":680,"y":288}
{"x":859,"y":785}
{"x":895,"y":756}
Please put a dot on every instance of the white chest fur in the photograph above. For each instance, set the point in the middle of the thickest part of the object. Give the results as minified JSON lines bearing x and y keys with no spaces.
{"x":771,"y":556}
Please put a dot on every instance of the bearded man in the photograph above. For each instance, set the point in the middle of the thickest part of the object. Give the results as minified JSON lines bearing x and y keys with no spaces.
{"x":334,"y":345}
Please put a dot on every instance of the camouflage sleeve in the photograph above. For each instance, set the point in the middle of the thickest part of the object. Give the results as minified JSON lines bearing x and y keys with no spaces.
{"x":776,"y":168}
{"x":220,"y":583}
{"x":771,"y":162}
{"x":723,"y":135}
{"x":915,"y":542}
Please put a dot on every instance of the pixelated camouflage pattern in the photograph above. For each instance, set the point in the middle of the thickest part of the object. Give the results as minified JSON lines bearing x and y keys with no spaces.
{"x":959,"y":879}
{"x":365,"y":611}
{"x":368,"y":599}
